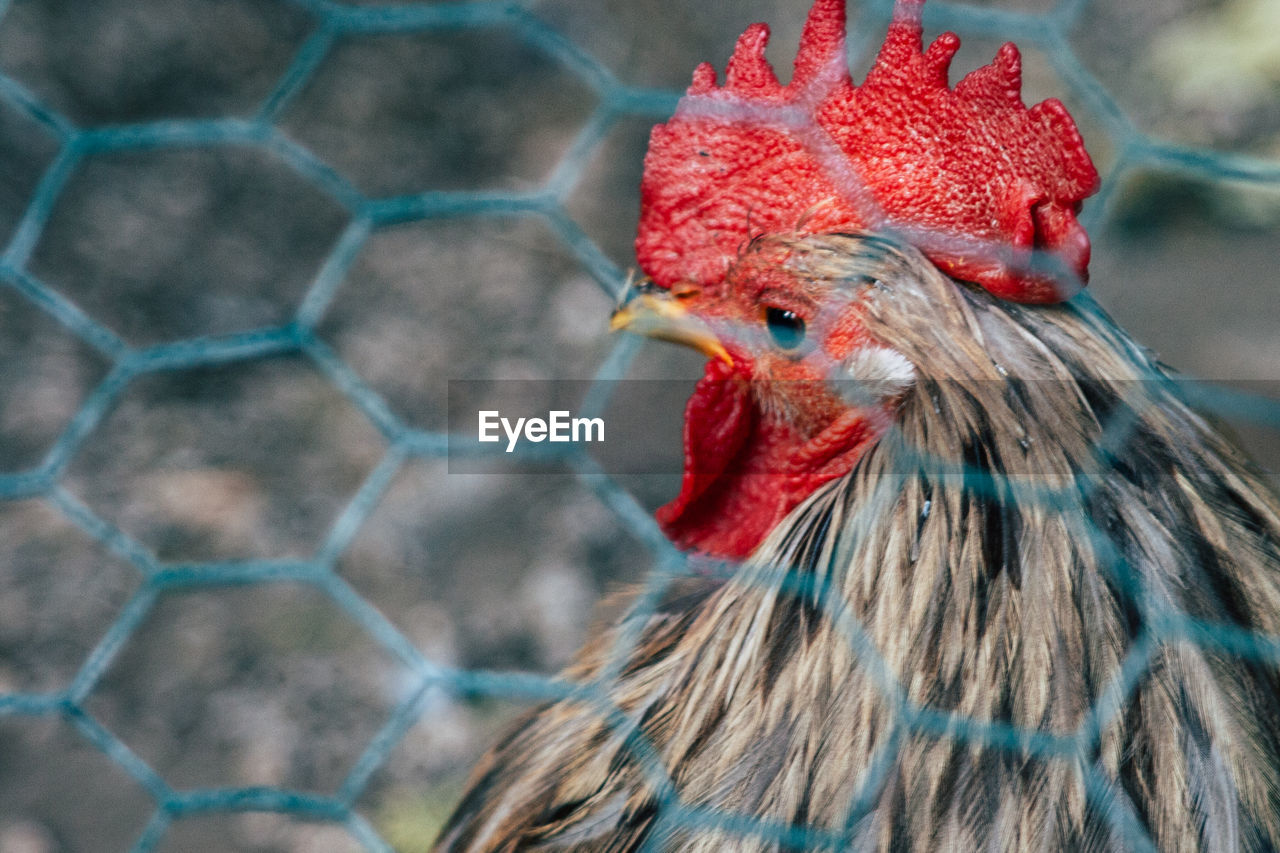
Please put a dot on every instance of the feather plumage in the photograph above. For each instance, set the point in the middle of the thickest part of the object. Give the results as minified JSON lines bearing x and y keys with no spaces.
{"x":926,"y":654}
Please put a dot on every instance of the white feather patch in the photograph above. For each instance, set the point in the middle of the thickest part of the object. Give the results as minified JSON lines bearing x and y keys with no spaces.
{"x":872,"y":374}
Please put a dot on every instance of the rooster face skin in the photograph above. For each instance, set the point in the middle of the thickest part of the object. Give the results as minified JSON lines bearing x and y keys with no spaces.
{"x":794,"y":331}
{"x":1036,"y":512}
{"x":795,"y":391}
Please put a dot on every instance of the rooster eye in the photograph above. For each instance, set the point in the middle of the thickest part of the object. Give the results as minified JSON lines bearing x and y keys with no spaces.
{"x":786,"y":327}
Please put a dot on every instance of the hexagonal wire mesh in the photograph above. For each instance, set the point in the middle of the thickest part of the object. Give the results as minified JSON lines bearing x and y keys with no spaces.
{"x":243,"y":243}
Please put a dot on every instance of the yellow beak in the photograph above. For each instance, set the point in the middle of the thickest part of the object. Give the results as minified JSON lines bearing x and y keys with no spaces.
{"x":661,"y":316}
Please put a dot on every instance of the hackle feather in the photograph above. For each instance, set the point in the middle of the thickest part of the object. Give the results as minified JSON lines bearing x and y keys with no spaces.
{"x":1042,"y":505}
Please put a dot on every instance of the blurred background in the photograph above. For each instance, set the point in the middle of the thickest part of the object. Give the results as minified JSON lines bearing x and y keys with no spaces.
{"x":247,"y":245}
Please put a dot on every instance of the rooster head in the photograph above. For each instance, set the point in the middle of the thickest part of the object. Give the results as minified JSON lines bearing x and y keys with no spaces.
{"x":744,"y":174}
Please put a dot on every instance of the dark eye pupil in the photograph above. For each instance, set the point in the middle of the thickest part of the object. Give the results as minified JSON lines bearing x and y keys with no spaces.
{"x":785,"y":326}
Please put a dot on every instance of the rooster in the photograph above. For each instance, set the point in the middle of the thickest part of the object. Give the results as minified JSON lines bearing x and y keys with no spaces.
{"x":981,"y":532}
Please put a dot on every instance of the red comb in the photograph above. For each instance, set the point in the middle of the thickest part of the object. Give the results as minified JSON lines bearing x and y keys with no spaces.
{"x":969,"y":175}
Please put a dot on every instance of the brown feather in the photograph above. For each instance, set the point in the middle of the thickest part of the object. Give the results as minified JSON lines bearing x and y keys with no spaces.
{"x":1044,"y":502}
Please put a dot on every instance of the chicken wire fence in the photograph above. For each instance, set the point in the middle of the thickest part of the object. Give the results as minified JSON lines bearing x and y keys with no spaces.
{"x":131,"y":355}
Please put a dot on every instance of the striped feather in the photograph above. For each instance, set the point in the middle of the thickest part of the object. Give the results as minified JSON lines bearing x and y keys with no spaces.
{"x":902,"y":664}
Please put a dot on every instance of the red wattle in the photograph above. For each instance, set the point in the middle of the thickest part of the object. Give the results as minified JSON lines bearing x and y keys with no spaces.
{"x":743,"y":473}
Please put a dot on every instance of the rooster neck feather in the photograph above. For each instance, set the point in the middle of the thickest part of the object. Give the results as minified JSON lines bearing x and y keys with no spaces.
{"x":1044,"y":500}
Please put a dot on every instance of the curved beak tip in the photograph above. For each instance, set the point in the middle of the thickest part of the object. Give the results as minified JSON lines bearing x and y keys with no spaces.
{"x":621,"y":319}
{"x":660,"y":316}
